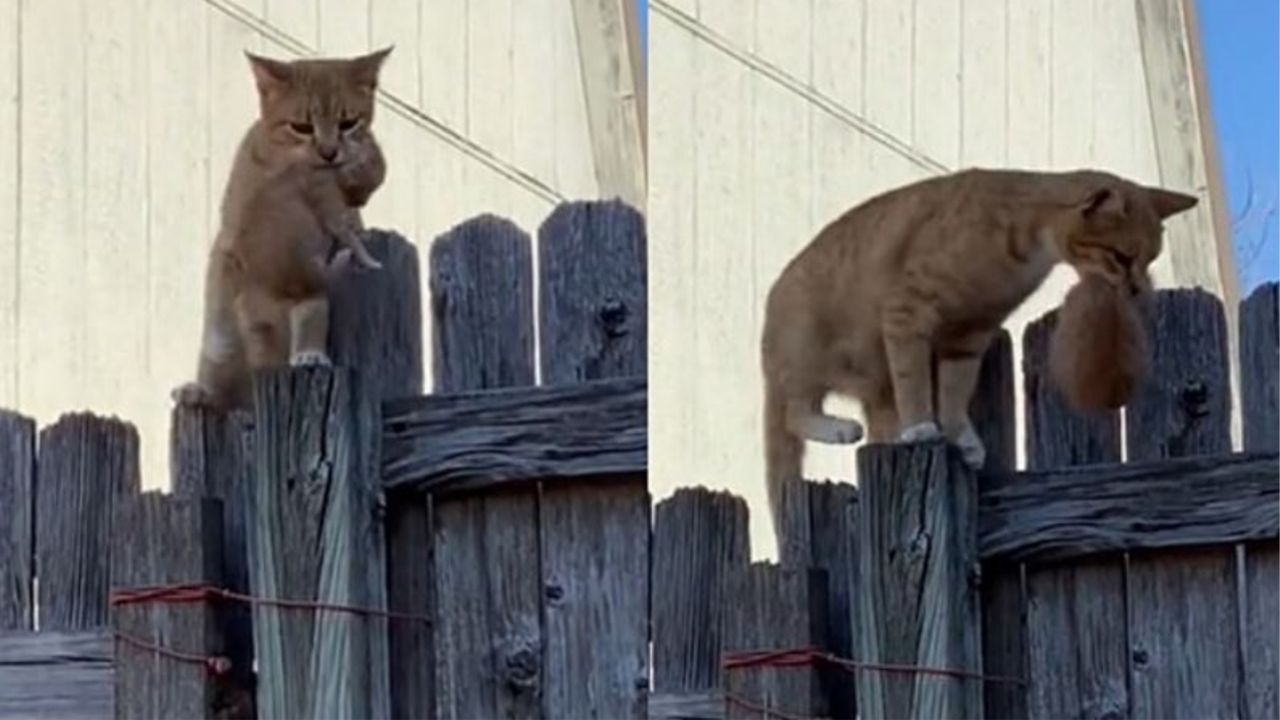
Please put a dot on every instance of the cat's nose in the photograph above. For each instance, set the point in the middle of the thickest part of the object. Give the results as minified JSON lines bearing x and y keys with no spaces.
{"x":328,"y":154}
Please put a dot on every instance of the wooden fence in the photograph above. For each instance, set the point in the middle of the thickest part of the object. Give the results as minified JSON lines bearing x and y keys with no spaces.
{"x":1081,"y":587}
{"x":477,"y":552}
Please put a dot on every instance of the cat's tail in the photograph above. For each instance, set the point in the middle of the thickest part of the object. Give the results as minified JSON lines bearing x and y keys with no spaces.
{"x":784,"y":455}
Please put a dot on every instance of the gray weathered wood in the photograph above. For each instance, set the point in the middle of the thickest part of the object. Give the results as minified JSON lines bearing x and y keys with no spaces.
{"x":306,"y":526}
{"x":593,"y":305}
{"x":1260,"y":368}
{"x":1076,"y":654}
{"x":917,"y":559}
{"x":173,"y":541}
{"x":1262,"y":630}
{"x":489,"y":640}
{"x":482,"y":306}
{"x":700,"y":541}
{"x":209,"y":457}
{"x":992,"y":410}
{"x":1184,"y":406}
{"x":1183,"y":635}
{"x":17,"y":515}
{"x":1056,"y":435}
{"x":467,"y":441}
{"x":1077,"y":511}
{"x":704,"y":705}
{"x":595,"y":576}
{"x":51,"y":674}
{"x":776,"y":608}
{"x":822,"y":516}
{"x":1004,"y":624}
{"x":87,"y":465}
{"x":376,"y":327}
{"x":410,"y":589}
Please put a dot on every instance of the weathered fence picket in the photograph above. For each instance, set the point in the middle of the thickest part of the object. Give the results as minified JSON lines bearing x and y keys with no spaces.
{"x":17,"y":502}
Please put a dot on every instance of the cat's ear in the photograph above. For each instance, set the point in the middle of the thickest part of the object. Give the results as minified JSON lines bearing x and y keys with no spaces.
{"x":1168,"y":203}
{"x":271,"y":76}
{"x":1103,"y":203}
{"x":364,"y":69}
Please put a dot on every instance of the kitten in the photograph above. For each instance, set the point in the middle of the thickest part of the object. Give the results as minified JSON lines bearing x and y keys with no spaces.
{"x":1098,"y":352}
{"x":300,"y":175}
{"x":924,"y":275}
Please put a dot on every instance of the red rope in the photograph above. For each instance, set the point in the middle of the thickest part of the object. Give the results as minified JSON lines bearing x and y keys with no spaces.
{"x":201,"y":593}
{"x":215,"y":664}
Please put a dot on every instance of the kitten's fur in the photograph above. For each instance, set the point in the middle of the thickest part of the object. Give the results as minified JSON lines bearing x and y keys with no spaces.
{"x":300,"y":174}
{"x":1098,"y":353}
{"x":925,"y":275}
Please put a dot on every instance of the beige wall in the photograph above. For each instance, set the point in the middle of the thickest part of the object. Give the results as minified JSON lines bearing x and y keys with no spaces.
{"x":773,"y":116}
{"x":117,"y":125}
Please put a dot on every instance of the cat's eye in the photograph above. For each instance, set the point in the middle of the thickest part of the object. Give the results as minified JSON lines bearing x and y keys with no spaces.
{"x":302,"y":128}
{"x":348,"y":125}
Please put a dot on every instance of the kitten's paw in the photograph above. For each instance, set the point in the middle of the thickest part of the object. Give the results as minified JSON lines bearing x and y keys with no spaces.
{"x":832,"y":431}
{"x":971,"y":449}
{"x":310,"y":358}
{"x":920,"y":432}
{"x":192,"y":393}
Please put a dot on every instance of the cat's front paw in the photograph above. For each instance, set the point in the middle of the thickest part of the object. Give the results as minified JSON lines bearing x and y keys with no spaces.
{"x":310,"y":358}
{"x":920,"y":432}
{"x":832,"y":430}
{"x":192,"y":394}
{"x":971,"y":448}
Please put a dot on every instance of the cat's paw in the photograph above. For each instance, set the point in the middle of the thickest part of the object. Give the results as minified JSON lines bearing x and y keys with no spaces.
{"x":192,"y":394}
{"x":920,"y":432}
{"x":832,"y":430}
{"x":971,"y":448}
{"x":310,"y":358}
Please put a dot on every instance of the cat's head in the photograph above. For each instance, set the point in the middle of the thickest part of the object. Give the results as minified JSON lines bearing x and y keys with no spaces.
{"x":1117,"y":230}
{"x":316,"y":110}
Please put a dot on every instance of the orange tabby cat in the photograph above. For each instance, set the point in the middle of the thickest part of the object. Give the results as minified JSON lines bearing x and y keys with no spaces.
{"x":924,"y":276}
{"x":301,"y":173}
{"x":1098,"y":353}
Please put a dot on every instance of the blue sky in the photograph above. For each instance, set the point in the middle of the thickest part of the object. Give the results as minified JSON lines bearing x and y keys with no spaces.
{"x":1241,"y":52}
{"x":1241,"y":55}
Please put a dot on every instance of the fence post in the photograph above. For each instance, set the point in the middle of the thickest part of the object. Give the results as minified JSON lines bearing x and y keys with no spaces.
{"x":17,"y":515}
{"x":172,"y":541}
{"x":86,"y":466}
{"x":1260,"y":368}
{"x":917,"y":561}
{"x":376,"y":326}
{"x":775,"y":608}
{"x":307,"y":528}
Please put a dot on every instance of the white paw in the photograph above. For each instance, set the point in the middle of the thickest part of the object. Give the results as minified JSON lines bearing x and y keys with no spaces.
{"x":310,"y":358}
{"x":920,"y":432}
{"x":975,"y":455}
{"x":191,"y":393}
{"x":832,"y":431}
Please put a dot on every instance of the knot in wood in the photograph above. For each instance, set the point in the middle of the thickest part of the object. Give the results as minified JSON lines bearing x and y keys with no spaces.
{"x":1141,"y":656}
{"x":554,"y":592}
{"x":1193,"y":400}
{"x":520,"y":666}
{"x":613,"y":318}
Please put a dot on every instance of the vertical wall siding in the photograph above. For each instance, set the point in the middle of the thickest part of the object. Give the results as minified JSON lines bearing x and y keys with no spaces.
{"x":798,"y":111}
{"x":117,"y":130}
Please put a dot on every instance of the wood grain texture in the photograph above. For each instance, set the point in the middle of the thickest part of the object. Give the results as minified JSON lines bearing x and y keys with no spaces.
{"x":1260,"y":368}
{"x":173,"y":541}
{"x":1076,"y":653}
{"x":1056,"y":436}
{"x":488,"y":633}
{"x":1004,"y":632}
{"x":376,"y":327}
{"x":209,"y":457}
{"x":992,"y":409}
{"x":776,"y":608}
{"x":17,"y":529}
{"x":411,"y":589}
{"x":595,"y":578}
{"x":87,"y":465}
{"x":593,"y":305}
{"x":466,"y":441}
{"x":823,"y":515}
{"x":52,"y":674}
{"x":1183,"y":634}
{"x":917,"y":565}
{"x":700,"y":542}
{"x":306,"y":529}
{"x":1261,"y":630}
{"x":1184,"y":406}
{"x":1077,"y":511}
{"x":482,"y":306}
{"x":705,"y":705}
